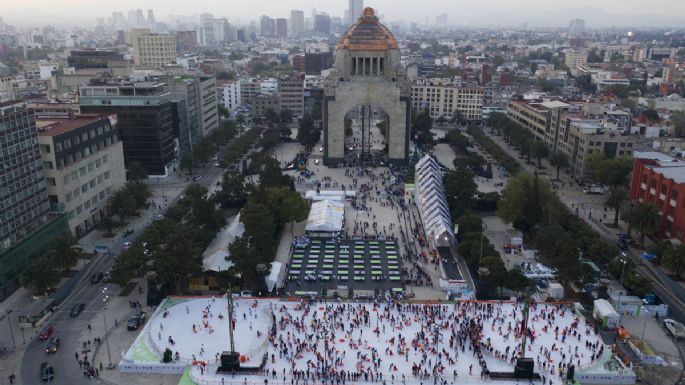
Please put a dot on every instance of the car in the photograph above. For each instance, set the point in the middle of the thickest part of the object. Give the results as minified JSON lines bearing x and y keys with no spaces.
{"x":158,"y":216}
{"x":197,"y":178}
{"x":95,"y":278}
{"x":216,"y":164}
{"x":52,"y":346}
{"x":316,"y":162}
{"x":127,"y":245}
{"x":77,"y":309}
{"x":46,"y":332}
{"x":47,"y":373}
{"x":321,"y":149}
{"x":135,"y":320}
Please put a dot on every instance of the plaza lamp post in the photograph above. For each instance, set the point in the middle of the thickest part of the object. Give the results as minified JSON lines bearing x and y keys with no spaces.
{"x":624,"y":261}
{"x":105,"y":298}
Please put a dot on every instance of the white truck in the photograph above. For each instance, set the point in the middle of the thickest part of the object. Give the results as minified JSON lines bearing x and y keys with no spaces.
{"x":594,"y":189}
{"x":675,"y":328}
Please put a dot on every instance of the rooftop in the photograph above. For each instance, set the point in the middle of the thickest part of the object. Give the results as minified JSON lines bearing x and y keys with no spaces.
{"x":55,"y":127}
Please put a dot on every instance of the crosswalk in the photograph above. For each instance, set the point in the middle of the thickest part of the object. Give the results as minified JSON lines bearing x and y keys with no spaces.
{"x":71,"y":325}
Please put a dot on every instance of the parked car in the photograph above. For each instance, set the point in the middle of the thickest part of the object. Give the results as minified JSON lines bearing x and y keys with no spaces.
{"x":197,"y":178}
{"x":53,"y":346}
{"x":136,"y":320}
{"x":77,"y":309}
{"x":97,"y":277}
{"x":46,"y":332}
{"x":127,"y":245}
{"x":46,"y":372}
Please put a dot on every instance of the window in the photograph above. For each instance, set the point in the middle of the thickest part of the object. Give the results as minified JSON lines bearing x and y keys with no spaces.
{"x":92,"y":183}
{"x":45,"y":148}
{"x":48,"y":165}
{"x":105,"y":159}
{"x":100,"y":178}
{"x":69,"y":197}
{"x":66,"y":179}
{"x":51,"y":181}
{"x":674,"y":195}
{"x":84,"y":188}
{"x":107,"y":174}
{"x":82,"y":171}
{"x":91,"y":166}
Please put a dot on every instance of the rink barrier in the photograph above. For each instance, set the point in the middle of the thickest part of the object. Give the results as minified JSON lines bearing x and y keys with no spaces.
{"x":126,"y":366}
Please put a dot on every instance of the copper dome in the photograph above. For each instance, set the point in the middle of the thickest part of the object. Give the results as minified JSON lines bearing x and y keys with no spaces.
{"x":367,"y":34}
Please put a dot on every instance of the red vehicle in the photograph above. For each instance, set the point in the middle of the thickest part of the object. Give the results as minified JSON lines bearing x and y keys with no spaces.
{"x":46,"y":332}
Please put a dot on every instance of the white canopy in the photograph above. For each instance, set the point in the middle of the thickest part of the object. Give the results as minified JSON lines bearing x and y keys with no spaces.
{"x":214,"y":258}
{"x":329,"y":195}
{"x":326,"y":216}
{"x":431,"y":201}
{"x":276,"y":276}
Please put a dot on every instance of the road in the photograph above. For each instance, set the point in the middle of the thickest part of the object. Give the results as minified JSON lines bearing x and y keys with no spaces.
{"x":70,"y":330}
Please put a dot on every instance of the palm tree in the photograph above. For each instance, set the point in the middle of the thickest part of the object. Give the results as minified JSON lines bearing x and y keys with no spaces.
{"x":674,"y":260}
{"x":616,"y":199}
{"x":64,"y":255}
{"x":558,"y":160}
{"x":645,"y":218}
{"x":40,"y":276}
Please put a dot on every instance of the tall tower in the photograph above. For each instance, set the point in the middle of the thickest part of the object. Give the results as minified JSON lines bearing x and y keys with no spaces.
{"x":354,"y":10}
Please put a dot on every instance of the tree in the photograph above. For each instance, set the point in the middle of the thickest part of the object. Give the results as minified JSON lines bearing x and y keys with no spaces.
{"x":179,"y":259}
{"x":460,"y":190}
{"x":515,"y":281}
{"x":107,"y":223}
{"x":525,"y":203}
{"x":678,"y":123}
{"x":40,"y":276}
{"x":288,"y":205}
{"x":645,"y":218}
{"x":136,"y":172}
{"x":188,"y":162}
{"x":271,"y":115}
{"x":612,"y":172}
{"x":284,"y":130}
{"x":260,"y":225}
{"x":64,"y":255}
{"x":674,"y":260}
{"x":123,"y":203}
{"x":225,"y":75}
{"x":469,"y":223}
{"x":232,"y":193}
{"x":270,"y":138}
{"x":538,"y":150}
{"x":616,"y":199}
{"x":285,"y":116}
{"x":421,"y":128}
{"x":559,"y":160}
{"x":245,"y":260}
{"x":308,"y":134}
{"x":140,"y":191}
{"x":651,"y":115}
{"x":630,"y":104}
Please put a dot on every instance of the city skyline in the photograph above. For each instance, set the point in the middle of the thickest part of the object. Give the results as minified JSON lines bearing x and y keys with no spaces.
{"x":30,"y":13}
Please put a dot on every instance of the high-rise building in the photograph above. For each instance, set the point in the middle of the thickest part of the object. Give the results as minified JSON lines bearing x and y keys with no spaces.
{"x":266,"y":26}
{"x":90,"y":58}
{"x":140,"y":19}
{"x":354,"y":10}
{"x":24,"y":204}
{"x":186,"y":41}
{"x":143,"y":118}
{"x":217,"y":31}
{"x":153,"y":49}
{"x":84,"y":166}
{"x":281,"y":27}
{"x":322,"y":24}
{"x":291,"y":93}
{"x":228,"y":93}
{"x":296,"y":22}
{"x":150,"y":17}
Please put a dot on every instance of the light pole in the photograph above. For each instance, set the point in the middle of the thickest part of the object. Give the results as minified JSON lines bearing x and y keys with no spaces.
{"x":623,"y":270}
{"x":104,"y":316}
{"x":9,"y":321}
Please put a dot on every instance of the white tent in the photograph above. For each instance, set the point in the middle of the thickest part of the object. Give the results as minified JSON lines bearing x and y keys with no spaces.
{"x":326,"y":216}
{"x":214,"y":257}
{"x":431,"y":201}
{"x":276,"y":276}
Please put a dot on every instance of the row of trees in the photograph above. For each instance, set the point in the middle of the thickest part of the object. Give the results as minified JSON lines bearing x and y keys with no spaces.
{"x":208,"y":146}
{"x":45,"y":272}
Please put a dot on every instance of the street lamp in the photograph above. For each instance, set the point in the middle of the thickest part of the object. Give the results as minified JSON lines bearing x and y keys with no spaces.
{"x":623,"y":270}
{"x":10,"y":323}
{"x":105,"y":297}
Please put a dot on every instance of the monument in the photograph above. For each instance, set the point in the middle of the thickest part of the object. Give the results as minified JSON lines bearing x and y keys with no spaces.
{"x":367,"y":77}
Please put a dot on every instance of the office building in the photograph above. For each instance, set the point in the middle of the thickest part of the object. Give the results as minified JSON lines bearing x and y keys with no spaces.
{"x":153,"y":49}
{"x":296,"y":22}
{"x":322,"y":24}
{"x":281,"y":27}
{"x":354,"y":11}
{"x":83,"y":165}
{"x":263,"y":102}
{"x":659,"y":179}
{"x":267,"y":26}
{"x":199,"y":95}
{"x":443,"y":99}
{"x":291,"y":93}
{"x":144,"y":120}
{"x":217,"y":31}
{"x":207,"y":99}
{"x":24,"y":204}
{"x":574,"y":60}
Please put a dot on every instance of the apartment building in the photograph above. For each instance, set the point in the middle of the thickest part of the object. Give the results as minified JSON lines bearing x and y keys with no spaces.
{"x":208,"y":107}
{"x":144,"y":120}
{"x":443,"y":98}
{"x":263,"y":102}
{"x":228,"y":94}
{"x":291,"y":93}
{"x":83,"y":162}
{"x":153,"y":49}
{"x":574,"y":60}
{"x":24,"y":202}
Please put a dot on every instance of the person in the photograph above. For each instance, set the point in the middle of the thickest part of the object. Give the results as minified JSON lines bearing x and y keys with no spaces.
{"x":11,"y":377}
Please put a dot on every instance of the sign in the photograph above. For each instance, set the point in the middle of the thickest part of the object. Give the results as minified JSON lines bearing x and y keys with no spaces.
{"x":102,"y":248}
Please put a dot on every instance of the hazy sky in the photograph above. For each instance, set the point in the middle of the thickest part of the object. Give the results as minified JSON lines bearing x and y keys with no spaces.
{"x":84,"y":12}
